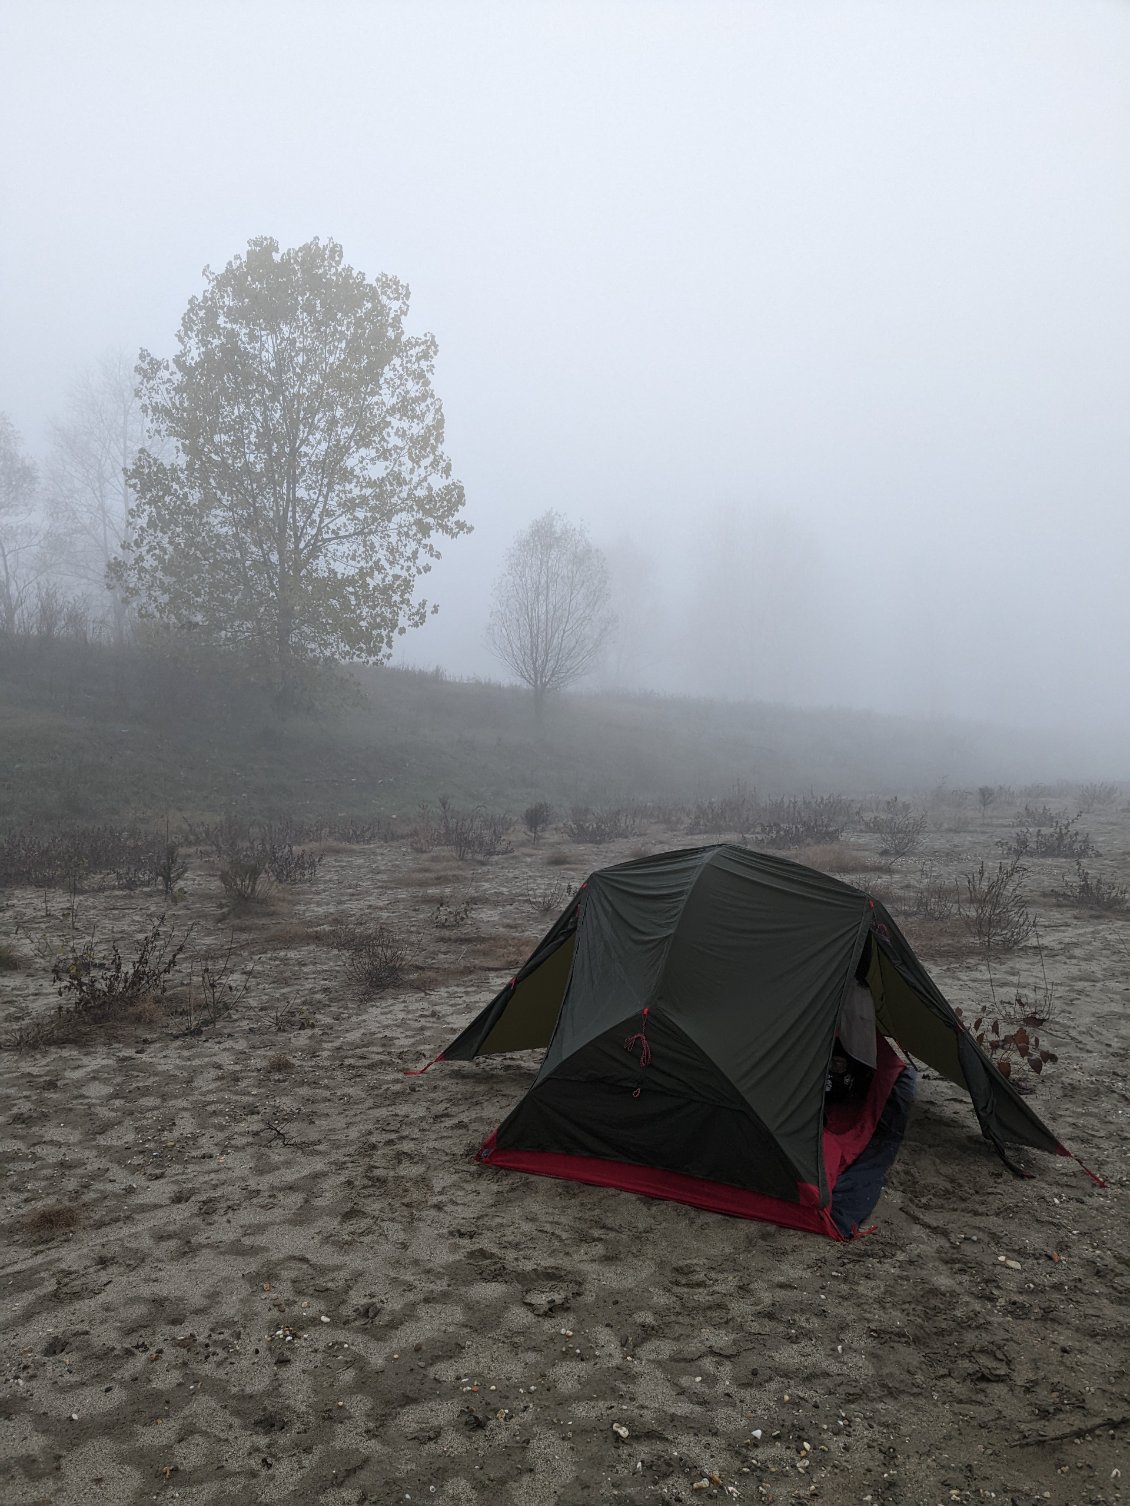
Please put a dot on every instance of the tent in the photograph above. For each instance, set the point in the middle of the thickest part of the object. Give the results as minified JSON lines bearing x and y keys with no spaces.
{"x":689,"y":1004}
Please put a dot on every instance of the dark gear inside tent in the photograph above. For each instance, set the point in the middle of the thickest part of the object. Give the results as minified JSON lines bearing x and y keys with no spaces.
{"x":732,"y":1030}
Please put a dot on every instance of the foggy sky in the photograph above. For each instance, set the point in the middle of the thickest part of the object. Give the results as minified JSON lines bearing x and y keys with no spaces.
{"x":817,"y":315}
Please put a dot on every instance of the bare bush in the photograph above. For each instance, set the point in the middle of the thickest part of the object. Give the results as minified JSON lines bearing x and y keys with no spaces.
{"x":216,"y":985}
{"x":1042,"y":815}
{"x":287,"y":864}
{"x":932,"y":897}
{"x":1062,"y":840}
{"x":375,"y":960}
{"x":537,"y":817}
{"x":424,"y":836}
{"x":97,"y":987}
{"x":245,"y":880}
{"x":590,"y":825}
{"x":900,"y":828}
{"x":1095,"y":796}
{"x":550,"y":895}
{"x":473,"y":834}
{"x":736,"y":811}
{"x":805,"y":821}
{"x":1094,"y":892}
{"x":76,"y":857}
{"x":994,"y":908}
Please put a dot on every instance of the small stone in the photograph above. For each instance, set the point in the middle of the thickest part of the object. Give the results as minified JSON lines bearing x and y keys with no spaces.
{"x":756,"y":1434}
{"x":324,"y":1319}
{"x":619,"y":1429}
{"x":703,"y":1484}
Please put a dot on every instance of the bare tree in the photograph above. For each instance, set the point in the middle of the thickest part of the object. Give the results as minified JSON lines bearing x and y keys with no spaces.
{"x":551,"y":606}
{"x":89,"y":496}
{"x":19,"y":530}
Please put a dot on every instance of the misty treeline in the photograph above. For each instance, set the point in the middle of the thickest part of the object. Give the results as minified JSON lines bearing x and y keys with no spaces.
{"x":275,"y":492}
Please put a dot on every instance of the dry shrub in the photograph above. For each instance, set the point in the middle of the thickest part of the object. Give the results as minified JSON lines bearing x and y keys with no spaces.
{"x":994,"y":907}
{"x":810,"y":821}
{"x":49,"y":1220}
{"x":593,"y":826}
{"x":375,"y":960}
{"x":1061,"y":840}
{"x":899,"y":827}
{"x":9,"y":958}
{"x":99,"y":987}
{"x":548,"y":894}
{"x":1087,"y":891}
{"x":246,"y":881}
{"x":537,"y":817}
{"x":279,"y":1063}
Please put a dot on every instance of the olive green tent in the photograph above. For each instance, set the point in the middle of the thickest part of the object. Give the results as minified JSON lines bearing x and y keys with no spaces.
{"x":688,"y":1004}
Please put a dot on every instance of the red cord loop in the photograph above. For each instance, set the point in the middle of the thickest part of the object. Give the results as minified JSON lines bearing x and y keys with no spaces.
{"x":641,"y":1037}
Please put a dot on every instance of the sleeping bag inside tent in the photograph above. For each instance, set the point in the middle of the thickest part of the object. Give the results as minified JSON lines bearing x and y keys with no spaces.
{"x":732,"y":1030}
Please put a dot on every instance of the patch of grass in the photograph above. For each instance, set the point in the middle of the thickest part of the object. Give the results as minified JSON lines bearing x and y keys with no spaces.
{"x":9,"y":959}
{"x":50,"y":1220}
{"x":840,"y":857}
{"x":279,"y":1063}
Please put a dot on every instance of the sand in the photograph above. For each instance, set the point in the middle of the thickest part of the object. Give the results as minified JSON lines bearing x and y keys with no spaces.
{"x":287,"y":1280}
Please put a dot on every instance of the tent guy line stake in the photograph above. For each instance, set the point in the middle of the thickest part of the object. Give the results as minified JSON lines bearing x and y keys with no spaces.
{"x":1062,"y":1150}
{"x":419,"y":1071}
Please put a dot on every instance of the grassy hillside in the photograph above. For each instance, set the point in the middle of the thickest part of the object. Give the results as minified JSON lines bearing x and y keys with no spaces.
{"x":88,"y":733}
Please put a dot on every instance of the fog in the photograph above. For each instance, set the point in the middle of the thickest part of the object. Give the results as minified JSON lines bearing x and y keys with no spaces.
{"x":817,"y":316}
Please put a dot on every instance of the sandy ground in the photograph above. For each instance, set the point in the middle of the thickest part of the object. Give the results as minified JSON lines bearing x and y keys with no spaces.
{"x":288,"y":1282}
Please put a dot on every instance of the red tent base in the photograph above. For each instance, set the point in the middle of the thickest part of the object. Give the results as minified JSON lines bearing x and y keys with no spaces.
{"x":716,"y":1197}
{"x":848,"y":1130}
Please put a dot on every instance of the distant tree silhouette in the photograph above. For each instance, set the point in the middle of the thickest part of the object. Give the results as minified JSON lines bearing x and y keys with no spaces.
{"x":20,"y":534}
{"x":552,"y":606}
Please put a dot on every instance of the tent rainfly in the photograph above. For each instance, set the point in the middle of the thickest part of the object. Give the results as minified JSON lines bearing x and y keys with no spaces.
{"x":690,"y":1004}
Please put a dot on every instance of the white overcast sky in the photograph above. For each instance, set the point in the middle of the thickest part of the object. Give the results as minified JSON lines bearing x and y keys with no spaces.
{"x":816,"y":314}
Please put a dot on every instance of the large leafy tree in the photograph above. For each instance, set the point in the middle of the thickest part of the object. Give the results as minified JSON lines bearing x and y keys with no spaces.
{"x":552,"y":606}
{"x":298,"y":482}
